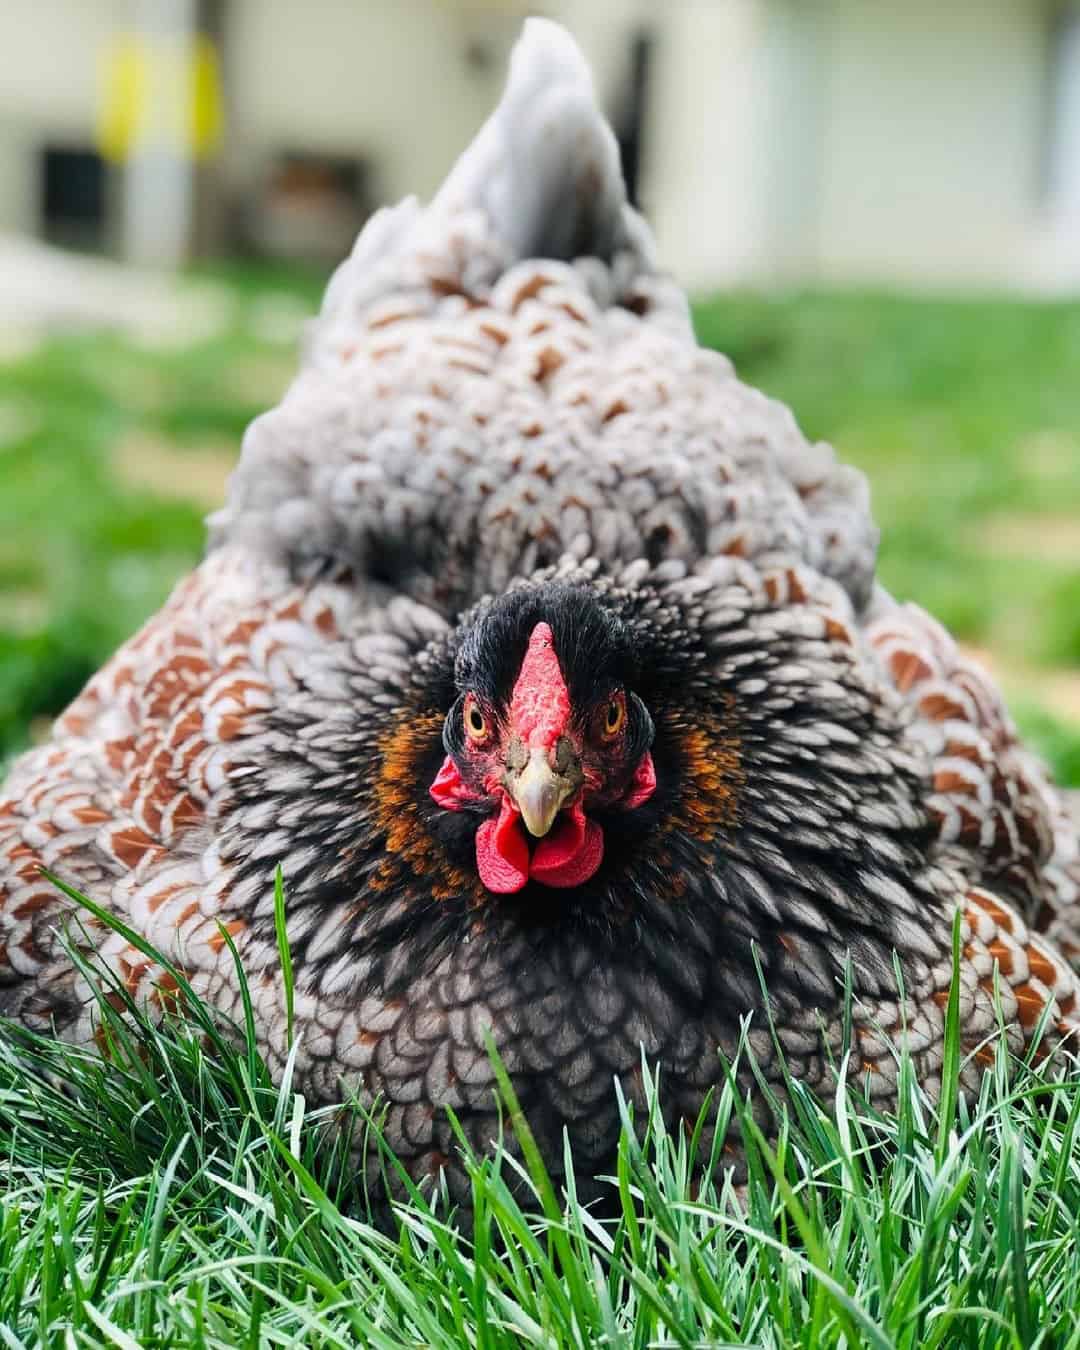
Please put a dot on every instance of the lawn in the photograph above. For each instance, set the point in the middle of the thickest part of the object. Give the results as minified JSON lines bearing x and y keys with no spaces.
{"x":177,"y":1197}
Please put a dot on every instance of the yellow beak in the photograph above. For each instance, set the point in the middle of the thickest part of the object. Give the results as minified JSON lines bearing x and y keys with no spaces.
{"x":540,"y":793}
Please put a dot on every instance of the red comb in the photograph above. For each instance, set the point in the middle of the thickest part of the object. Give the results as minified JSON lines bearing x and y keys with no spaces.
{"x":540,"y":703}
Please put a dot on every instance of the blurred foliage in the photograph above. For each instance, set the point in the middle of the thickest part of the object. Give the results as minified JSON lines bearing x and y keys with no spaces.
{"x":965,"y":416}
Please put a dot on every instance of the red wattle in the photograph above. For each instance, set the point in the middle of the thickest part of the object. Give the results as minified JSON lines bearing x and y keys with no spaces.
{"x":567,"y":857}
{"x":643,"y":783}
{"x":502,"y":855}
{"x":448,"y":789}
{"x":571,"y":853}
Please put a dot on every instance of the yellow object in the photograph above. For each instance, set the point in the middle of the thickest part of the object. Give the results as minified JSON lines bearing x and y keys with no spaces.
{"x":160,"y":96}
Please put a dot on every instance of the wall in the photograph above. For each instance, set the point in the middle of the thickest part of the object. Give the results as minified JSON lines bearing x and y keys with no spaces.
{"x":849,"y":140}
{"x":705,"y":176}
{"x":933,"y":118}
{"x":381,"y":76}
{"x":49,"y":74}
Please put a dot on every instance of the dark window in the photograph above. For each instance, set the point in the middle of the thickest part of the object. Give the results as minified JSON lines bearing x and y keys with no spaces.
{"x":73,"y":196}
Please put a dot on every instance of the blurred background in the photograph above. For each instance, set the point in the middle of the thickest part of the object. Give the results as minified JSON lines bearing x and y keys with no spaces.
{"x":875,"y":206}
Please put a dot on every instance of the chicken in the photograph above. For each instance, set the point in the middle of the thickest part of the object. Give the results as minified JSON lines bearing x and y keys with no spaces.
{"x":547,"y":659}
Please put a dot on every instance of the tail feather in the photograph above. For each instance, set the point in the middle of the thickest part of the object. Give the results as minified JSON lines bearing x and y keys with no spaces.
{"x":545,"y":166}
{"x":541,"y":180}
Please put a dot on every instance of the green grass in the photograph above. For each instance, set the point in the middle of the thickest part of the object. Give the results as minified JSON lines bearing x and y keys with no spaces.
{"x":964,"y":414}
{"x":175,"y":1196}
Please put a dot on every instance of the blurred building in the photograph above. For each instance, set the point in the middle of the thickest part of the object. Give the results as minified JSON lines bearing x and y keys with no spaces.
{"x":900,"y":141}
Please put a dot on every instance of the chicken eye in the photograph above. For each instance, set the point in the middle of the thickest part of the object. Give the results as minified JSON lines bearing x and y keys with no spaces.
{"x":476,"y":724}
{"x":614,"y":717}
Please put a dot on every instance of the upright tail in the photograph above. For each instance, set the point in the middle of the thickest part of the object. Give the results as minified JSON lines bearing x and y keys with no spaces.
{"x":542,"y":180}
{"x":545,"y":166}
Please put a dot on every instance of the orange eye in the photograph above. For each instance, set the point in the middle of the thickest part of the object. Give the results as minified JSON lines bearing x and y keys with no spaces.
{"x":476,"y":724}
{"x":614,"y":718}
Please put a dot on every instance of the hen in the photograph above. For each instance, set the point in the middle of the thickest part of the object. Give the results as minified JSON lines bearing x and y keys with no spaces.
{"x":548,"y":661}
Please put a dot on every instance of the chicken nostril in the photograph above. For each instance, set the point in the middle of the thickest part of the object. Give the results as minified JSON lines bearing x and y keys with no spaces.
{"x":562,"y":754}
{"x":517,"y":756}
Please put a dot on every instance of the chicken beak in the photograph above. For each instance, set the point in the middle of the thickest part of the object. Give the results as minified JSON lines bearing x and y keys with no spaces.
{"x":540,"y":793}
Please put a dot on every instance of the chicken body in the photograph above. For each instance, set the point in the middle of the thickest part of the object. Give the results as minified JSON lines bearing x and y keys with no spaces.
{"x":503,"y":419}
